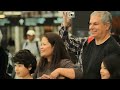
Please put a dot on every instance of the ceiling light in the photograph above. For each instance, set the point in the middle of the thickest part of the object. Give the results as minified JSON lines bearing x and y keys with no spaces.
{"x":2,"y":16}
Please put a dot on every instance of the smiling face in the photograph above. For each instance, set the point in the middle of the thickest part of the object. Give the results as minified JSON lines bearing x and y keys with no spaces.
{"x":46,"y":48}
{"x":21,"y":70}
{"x":97,"y":27}
{"x":104,"y":72}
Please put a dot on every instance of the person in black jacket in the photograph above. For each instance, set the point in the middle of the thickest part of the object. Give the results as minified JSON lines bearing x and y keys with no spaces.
{"x":116,"y":36}
{"x":3,"y":61}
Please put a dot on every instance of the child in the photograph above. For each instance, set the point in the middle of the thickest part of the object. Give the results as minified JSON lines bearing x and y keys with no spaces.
{"x":25,"y":64}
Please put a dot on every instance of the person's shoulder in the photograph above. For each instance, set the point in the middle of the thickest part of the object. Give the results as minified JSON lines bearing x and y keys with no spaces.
{"x":112,"y":45}
{"x":92,"y":42}
{"x":112,"y":41}
{"x":64,"y":60}
{"x":26,"y":40}
{"x":66,"y":63}
{"x":2,"y":49}
{"x":37,"y":39}
{"x":3,"y":52}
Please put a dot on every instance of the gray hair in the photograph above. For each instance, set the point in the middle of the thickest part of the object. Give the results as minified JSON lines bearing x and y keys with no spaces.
{"x":0,"y":37}
{"x":105,"y":16}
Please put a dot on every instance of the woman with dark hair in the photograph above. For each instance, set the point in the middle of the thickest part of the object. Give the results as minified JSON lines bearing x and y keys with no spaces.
{"x":110,"y":67}
{"x":53,"y":55}
{"x":25,"y":64}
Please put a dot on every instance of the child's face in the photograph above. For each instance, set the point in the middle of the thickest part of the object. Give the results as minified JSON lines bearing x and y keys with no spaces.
{"x":104,"y":72}
{"x":21,"y":70}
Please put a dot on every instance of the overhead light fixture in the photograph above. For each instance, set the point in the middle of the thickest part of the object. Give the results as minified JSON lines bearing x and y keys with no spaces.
{"x":8,"y":13}
{"x":17,"y":13}
{"x":2,"y":16}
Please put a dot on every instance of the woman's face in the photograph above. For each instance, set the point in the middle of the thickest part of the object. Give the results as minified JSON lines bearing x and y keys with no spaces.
{"x":46,"y":48}
{"x":104,"y":72}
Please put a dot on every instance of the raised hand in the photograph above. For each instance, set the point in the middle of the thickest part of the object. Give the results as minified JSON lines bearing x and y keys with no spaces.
{"x":66,"y":19}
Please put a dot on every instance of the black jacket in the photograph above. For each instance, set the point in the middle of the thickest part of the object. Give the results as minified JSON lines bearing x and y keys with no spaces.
{"x":3,"y":64}
{"x":93,"y":55}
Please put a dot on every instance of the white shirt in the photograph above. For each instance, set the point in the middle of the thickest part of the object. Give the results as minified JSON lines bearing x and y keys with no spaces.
{"x":32,"y":47}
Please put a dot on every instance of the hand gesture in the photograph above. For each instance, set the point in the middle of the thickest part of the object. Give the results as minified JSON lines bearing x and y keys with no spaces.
{"x":66,"y":19}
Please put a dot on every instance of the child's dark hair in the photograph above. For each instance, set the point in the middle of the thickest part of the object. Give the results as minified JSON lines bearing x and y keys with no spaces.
{"x":26,"y":58}
{"x":112,"y":63}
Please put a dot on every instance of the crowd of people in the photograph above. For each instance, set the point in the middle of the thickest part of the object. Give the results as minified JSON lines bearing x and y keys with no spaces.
{"x":98,"y":55}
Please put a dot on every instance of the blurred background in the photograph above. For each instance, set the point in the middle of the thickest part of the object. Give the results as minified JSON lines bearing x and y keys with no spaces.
{"x":15,"y":24}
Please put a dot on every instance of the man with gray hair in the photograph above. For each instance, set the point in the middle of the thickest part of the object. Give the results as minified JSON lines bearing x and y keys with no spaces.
{"x":3,"y":61}
{"x":103,"y":44}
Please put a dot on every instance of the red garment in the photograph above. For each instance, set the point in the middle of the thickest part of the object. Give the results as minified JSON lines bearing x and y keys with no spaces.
{"x":90,"y":38}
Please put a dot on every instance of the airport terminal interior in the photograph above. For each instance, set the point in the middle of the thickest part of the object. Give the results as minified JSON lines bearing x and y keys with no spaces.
{"x":14,"y":25}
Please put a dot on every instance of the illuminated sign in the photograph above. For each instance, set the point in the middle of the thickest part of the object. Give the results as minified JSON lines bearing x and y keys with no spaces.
{"x":30,"y":21}
{"x":33,"y":21}
{"x":4,"y":22}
